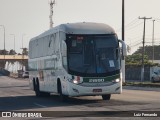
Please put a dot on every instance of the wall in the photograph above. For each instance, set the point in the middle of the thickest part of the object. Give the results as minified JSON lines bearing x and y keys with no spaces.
{"x":134,"y":73}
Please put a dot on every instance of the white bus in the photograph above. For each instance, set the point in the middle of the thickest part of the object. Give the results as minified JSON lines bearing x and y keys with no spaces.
{"x":77,"y":59}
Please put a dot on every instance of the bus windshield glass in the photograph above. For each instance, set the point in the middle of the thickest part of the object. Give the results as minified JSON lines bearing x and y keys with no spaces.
{"x":93,"y":55}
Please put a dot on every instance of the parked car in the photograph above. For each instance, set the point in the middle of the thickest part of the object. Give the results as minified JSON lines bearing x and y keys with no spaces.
{"x":155,"y":77}
{"x":25,"y":74}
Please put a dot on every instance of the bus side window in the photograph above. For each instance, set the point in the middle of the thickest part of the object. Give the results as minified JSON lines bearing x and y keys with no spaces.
{"x":53,"y":42}
{"x":117,"y":54}
{"x":64,"y":54}
{"x":64,"y":49}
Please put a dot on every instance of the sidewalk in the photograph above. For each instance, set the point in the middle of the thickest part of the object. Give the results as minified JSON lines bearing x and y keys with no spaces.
{"x":141,"y":84}
{"x":141,"y":88}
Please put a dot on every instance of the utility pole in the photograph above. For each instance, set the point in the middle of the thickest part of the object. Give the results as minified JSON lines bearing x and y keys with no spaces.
{"x":153,"y":42}
{"x":51,"y":12}
{"x":142,"y":67}
{"x":4,"y":45}
{"x":123,"y":30}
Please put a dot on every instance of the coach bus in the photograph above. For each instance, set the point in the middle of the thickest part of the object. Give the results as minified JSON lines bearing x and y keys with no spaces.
{"x":77,"y":59}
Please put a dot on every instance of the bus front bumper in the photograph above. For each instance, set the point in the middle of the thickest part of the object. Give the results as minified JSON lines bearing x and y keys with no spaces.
{"x":78,"y":90}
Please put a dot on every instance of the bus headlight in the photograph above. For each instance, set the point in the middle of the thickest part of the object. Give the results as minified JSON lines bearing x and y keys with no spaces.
{"x":76,"y":80}
{"x":116,"y":80}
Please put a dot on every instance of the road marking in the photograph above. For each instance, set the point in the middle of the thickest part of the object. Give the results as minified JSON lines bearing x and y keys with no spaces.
{"x":13,"y":95}
{"x":40,"y":105}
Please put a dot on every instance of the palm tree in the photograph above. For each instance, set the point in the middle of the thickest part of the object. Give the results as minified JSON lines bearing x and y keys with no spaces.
{"x":12,"y":52}
{"x":2,"y":52}
{"x":25,"y":51}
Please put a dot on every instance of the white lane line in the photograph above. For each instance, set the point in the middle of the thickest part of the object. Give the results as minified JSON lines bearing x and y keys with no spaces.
{"x":39,"y":105}
{"x":13,"y":95}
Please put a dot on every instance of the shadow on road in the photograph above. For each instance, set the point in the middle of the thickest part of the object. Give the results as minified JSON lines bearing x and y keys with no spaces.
{"x":101,"y":103}
{"x":30,"y":102}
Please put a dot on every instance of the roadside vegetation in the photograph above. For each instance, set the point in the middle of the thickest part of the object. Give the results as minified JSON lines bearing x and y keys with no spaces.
{"x":135,"y":59}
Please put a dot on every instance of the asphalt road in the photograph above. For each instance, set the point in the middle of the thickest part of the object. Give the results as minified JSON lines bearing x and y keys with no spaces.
{"x":15,"y":95}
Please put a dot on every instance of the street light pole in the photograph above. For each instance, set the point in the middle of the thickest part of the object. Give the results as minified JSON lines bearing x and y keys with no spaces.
{"x":14,"y":41}
{"x":22,"y":39}
{"x":14,"y":49}
{"x":4,"y":43}
{"x":22,"y":51}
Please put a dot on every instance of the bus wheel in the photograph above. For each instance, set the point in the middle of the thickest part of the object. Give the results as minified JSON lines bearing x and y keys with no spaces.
{"x":37,"y":91}
{"x":153,"y":81}
{"x":63,"y":98}
{"x":34,"y":84}
{"x":106,"y":97}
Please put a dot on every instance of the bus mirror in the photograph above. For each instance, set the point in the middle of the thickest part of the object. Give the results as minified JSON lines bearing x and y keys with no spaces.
{"x":64,"y":49}
{"x":124,"y":49}
{"x":117,"y":51}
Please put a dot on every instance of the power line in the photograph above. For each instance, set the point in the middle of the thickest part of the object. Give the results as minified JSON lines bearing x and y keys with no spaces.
{"x":154,"y":41}
{"x":129,"y":24}
{"x":132,"y":22}
{"x":134,"y":26}
{"x":156,"y":18}
{"x":136,"y":44}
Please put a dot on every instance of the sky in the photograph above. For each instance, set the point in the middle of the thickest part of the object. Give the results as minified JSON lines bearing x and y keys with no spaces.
{"x":29,"y":18}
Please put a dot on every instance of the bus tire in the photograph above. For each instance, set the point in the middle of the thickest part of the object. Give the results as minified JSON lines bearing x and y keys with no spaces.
{"x":152,"y":80}
{"x":106,"y":97}
{"x":34,"y":84}
{"x":37,"y":91}
{"x":63,"y":98}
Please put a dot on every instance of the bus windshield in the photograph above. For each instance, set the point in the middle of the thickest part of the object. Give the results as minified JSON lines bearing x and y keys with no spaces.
{"x":93,"y":55}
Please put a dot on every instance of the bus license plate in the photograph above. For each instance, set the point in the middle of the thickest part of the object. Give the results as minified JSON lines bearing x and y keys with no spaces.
{"x":97,"y":90}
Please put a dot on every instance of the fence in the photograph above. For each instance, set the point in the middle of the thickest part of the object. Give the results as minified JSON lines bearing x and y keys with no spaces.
{"x":134,"y":72}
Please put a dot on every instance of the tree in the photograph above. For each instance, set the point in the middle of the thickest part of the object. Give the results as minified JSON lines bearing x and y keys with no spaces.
{"x":149,"y":52}
{"x":136,"y":59}
{"x":25,"y":51}
{"x":2,"y":52}
{"x":12,"y":52}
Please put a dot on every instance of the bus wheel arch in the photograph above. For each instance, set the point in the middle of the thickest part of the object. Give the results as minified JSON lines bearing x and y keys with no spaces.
{"x":63,"y":97}
{"x":37,"y":90}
